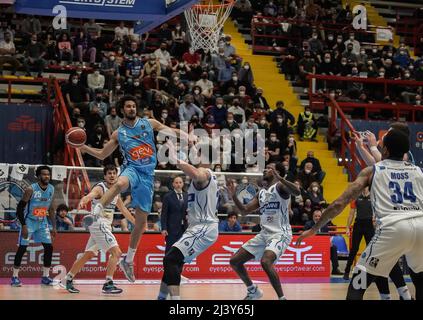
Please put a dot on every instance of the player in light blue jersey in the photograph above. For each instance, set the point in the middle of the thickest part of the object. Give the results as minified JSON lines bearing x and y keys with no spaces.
{"x":135,"y":137}
{"x":32,"y":211}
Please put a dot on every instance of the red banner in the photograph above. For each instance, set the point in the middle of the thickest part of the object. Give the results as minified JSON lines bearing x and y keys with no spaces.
{"x":311,"y":259}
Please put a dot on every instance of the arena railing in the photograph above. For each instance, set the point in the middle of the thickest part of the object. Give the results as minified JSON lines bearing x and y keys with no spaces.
{"x":339,"y":124}
{"x":318,"y":99}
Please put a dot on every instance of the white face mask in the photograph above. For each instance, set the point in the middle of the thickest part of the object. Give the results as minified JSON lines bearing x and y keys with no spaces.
{"x":246,"y":67}
{"x":164,"y":115}
{"x":418,"y":102}
{"x":242,"y":93}
{"x":286,"y":168}
{"x":330,"y":38}
{"x":244,"y":181}
{"x":307,"y":171}
{"x":75,"y":81}
{"x":262,"y":122}
{"x":112,"y":58}
{"x":280,"y":120}
{"x":315,"y":189}
{"x":273,"y":139}
{"x":235,"y":78}
{"x":197,"y":92}
{"x":327,"y":60}
{"x":217,"y":169}
{"x":157,"y":185}
{"x":219,"y":106}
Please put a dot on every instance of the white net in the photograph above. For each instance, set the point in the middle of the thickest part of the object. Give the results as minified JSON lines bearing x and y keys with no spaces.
{"x":205,"y":22}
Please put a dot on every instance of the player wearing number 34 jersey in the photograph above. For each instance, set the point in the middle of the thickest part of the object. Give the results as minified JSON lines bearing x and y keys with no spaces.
{"x":397,"y":200}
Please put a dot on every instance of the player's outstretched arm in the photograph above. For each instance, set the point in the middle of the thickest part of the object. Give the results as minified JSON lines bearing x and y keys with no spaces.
{"x":95,"y":193}
{"x":121,"y":207}
{"x":160,"y":127}
{"x":107,"y":150}
{"x":245,"y":209}
{"x":334,"y":209}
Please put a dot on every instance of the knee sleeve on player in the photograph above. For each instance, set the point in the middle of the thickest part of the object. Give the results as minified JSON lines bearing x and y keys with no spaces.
{"x":172,"y":263}
{"x":18,"y":256}
{"x":396,"y":276}
{"x":48,"y":254}
{"x":360,"y":281}
{"x":417,"y":279}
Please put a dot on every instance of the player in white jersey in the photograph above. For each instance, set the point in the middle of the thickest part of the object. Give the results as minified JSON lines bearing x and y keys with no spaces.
{"x":275,"y":235}
{"x":397,"y":199}
{"x":101,"y":236}
{"x":202,"y":229}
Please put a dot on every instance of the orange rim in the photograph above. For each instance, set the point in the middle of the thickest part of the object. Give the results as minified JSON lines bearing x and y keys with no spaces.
{"x":214,"y":6}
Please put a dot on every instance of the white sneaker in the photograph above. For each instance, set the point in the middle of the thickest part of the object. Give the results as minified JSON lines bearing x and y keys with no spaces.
{"x":254,"y":294}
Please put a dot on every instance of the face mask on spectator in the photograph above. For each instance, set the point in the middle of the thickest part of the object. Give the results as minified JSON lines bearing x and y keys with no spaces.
{"x":374,"y":50}
{"x":314,"y":37}
{"x":291,"y":139}
{"x":79,"y":72}
{"x":339,"y":40}
{"x":75,"y":81}
{"x":279,"y":120}
{"x":307,"y":113}
{"x":389,"y":54}
{"x":246,"y":67}
{"x":244,"y":181}
{"x":307,"y":171}
{"x":112,"y":58}
{"x":286,"y":168}
{"x":235,"y":78}
{"x":418,"y":102}
{"x":263,"y":122}
{"x":327,"y":60}
{"x":178,"y":28}
{"x":152,"y":62}
{"x":363,"y":52}
{"x":315,"y":189}
{"x":242,"y":93}
{"x":330,"y":38}
{"x":219,"y":106}
{"x":33,"y":41}
{"x":197,"y":92}
{"x":118,"y":88}
{"x":382,"y":74}
{"x":176,"y":79}
{"x":273,"y":138}
{"x":230,"y":121}
{"x":136,"y":84}
{"x":98,"y":98}
{"x":352,"y":38}
{"x":344,"y":63}
{"x":164,"y":115}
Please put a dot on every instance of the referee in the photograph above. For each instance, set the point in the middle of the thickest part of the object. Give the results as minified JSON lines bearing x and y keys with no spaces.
{"x":361,"y":209}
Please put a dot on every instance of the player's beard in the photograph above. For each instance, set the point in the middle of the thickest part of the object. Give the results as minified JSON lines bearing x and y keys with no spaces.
{"x":131,"y":117}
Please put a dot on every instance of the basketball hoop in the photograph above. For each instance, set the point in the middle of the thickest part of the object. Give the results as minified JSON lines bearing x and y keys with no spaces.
{"x":205,"y":22}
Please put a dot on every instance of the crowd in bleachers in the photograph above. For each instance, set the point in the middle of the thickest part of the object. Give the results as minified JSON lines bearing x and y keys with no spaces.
{"x":174,"y":83}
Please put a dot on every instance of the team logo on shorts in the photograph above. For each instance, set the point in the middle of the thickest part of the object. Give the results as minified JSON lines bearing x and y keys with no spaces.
{"x":186,"y":243}
{"x":373,"y":262}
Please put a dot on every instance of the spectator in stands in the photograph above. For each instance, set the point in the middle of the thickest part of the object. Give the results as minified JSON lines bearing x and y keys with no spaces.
{"x":110,"y":69}
{"x":328,"y":66}
{"x":163,"y":57}
{"x":306,"y":65}
{"x":306,"y":175}
{"x":165,"y":34}
{"x":307,"y":126}
{"x":188,"y":109}
{"x":92,"y":29}
{"x":316,"y":45}
{"x":260,"y":99}
{"x":76,"y":94}
{"x":112,"y":122}
{"x":99,"y":103}
{"x":270,"y":9}
{"x":231,"y":224}
{"x":7,"y":54}
{"x":229,"y":49}
{"x":283,"y":112}
{"x":226,"y":73}
{"x":230,"y":123}
{"x":64,"y":220}
{"x":96,"y":139}
{"x":280,"y":127}
{"x":246,"y":77}
{"x":306,"y":212}
{"x":316,"y":196}
{"x":84,"y":46}
{"x":95,"y":81}
{"x":312,"y":11}
{"x":153,"y":65}
{"x":325,"y":229}
{"x":193,"y":61}
{"x":30,"y":25}
{"x":64,"y":48}
{"x":206,"y":85}
{"x":219,"y":111}
{"x":317,"y":169}
{"x":274,"y":148}
{"x":179,"y":41}
{"x":121,"y":31}
{"x":296,"y":206}
{"x":34,"y":56}
{"x":355,"y":44}
{"x":238,"y":112}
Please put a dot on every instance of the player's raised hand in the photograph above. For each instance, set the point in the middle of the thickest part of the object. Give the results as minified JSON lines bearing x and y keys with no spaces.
{"x":371,"y":138}
{"x":304,"y":235}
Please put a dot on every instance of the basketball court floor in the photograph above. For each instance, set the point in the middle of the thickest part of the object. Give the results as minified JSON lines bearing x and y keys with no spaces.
{"x":191,"y":290}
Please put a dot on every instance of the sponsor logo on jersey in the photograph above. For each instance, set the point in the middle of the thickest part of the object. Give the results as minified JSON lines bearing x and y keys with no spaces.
{"x":274,"y":205}
{"x":141,"y":152}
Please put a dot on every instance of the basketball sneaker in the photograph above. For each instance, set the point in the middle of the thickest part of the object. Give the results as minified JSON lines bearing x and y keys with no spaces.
{"x":254,"y":294}
{"x":128,"y":269}
{"x":110,"y":288}
{"x":70,"y":287}
{"x":15,"y":282}
{"x":46,"y":281}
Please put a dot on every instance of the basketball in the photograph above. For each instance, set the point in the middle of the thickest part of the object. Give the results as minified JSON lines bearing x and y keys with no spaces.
{"x":76,"y":137}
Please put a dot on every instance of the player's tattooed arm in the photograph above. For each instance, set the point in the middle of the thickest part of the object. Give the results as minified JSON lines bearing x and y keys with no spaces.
{"x":247,"y":208}
{"x":353,"y":192}
{"x":107,"y":150}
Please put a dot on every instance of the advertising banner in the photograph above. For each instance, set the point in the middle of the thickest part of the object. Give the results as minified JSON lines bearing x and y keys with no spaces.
{"x":24,"y":133}
{"x":311,"y":259}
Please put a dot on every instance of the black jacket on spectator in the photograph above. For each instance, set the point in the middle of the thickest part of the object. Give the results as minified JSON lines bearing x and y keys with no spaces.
{"x":173,"y":217}
{"x":309,"y":224}
{"x":261,"y":100}
{"x":306,"y":179}
{"x":316,"y":164}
